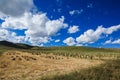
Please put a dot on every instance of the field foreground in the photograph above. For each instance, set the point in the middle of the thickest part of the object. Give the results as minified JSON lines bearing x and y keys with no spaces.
{"x":18,"y":65}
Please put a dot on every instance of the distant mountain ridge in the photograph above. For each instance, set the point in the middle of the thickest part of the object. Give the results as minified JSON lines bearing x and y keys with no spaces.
{"x":15,"y":45}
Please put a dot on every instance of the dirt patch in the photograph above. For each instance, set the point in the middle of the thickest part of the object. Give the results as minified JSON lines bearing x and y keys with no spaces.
{"x":16,"y":65}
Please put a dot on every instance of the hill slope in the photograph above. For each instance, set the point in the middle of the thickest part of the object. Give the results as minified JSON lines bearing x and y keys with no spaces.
{"x":14,"y":45}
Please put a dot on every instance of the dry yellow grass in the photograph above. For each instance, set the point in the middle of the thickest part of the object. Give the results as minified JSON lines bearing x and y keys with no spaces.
{"x":16,"y":65}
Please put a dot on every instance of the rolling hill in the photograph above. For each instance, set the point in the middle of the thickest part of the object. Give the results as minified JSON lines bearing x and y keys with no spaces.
{"x":21,"y":61}
{"x":14,"y":45}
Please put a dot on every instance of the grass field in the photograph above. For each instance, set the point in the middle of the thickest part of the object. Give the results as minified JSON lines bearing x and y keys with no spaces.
{"x":58,"y":63}
{"x":79,"y":52}
{"x":108,"y":71}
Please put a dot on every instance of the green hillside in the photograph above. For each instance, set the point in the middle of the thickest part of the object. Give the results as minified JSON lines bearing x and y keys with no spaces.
{"x":69,"y":51}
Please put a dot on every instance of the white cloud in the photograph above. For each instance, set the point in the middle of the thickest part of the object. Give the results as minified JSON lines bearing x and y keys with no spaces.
{"x":39,"y":28}
{"x":113,"y":42}
{"x":53,"y":26}
{"x":111,"y":29}
{"x":75,"y":12}
{"x":15,"y":8}
{"x":38,"y":40}
{"x":90,"y":36}
{"x":69,"y":41}
{"x":79,"y":45}
{"x":57,"y":40}
{"x":73,"y":29}
{"x":116,"y":41}
{"x":10,"y":36}
{"x":17,"y":23}
{"x":108,"y":42}
{"x":3,"y":34}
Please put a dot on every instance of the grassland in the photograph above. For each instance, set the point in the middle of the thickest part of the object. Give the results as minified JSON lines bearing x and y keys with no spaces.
{"x":58,"y":63}
{"x":79,"y":52}
{"x":108,"y":71}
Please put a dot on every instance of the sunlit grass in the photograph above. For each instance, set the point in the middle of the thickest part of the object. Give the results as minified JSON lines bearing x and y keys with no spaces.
{"x":1,"y":52}
{"x":108,"y":71}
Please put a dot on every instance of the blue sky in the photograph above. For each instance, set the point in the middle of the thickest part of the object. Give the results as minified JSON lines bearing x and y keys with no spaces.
{"x":94,"y":23}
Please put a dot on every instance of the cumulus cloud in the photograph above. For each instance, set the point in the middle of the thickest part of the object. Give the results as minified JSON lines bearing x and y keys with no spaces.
{"x":38,"y":40}
{"x":73,"y":12}
{"x":111,"y":29}
{"x":45,"y":28}
{"x":53,"y":26}
{"x":113,"y":42}
{"x":79,"y":45}
{"x":69,"y":41}
{"x":3,"y":34}
{"x":108,"y":42}
{"x":17,"y":23}
{"x":15,"y":8}
{"x":73,"y":29}
{"x":116,"y":41}
{"x":57,"y":40}
{"x":90,"y":36}
{"x":39,"y":28}
{"x":17,"y":15}
{"x":10,"y":36}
